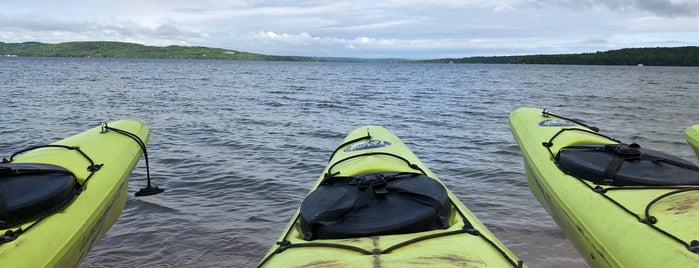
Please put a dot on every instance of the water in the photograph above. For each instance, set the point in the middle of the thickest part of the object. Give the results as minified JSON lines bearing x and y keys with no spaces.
{"x":238,"y":145}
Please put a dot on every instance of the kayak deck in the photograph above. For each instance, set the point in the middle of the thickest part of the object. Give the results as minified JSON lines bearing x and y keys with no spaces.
{"x":63,"y":238}
{"x":610,"y":225}
{"x":372,"y":149}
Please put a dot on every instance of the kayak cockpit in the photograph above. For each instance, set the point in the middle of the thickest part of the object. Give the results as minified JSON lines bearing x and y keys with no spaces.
{"x":626,"y":165}
{"x":29,"y":191}
{"x":374,"y":204}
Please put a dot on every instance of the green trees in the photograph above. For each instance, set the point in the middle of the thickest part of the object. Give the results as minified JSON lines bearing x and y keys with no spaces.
{"x":659,"y":56}
{"x":103,"y":49}
{"x":675,"y":56}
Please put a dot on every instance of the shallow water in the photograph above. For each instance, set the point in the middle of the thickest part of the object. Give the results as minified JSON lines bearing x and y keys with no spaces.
{"x":237,"y":145}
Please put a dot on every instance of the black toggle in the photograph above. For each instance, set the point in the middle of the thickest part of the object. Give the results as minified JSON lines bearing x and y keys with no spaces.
{"x":694,"y":246}
{"x":10,"y":235}
{"x":283,"y":245}
{"x":94,"y":168}
{"x":649,"y":220}
{"x":599,"y":189}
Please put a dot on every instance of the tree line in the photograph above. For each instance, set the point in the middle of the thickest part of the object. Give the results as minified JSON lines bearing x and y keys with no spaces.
{"x":659,"y":56}
{"x":104,"y":49}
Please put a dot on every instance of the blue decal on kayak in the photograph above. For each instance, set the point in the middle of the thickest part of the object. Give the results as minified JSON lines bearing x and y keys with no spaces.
{"x":371,"y":144}
{"x":556,"y":123}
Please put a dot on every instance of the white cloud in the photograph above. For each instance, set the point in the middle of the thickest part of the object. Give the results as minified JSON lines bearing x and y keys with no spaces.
{"x":504,"y":8}
{"x":413,"y":28}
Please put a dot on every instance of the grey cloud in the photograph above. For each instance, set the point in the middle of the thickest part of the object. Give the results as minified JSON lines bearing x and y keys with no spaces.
{"x":24,"y":28}
{"x":167,"y":30}
{"x":668,"y":9}
{"x":663,"y":8}
{"x":33,"y":23}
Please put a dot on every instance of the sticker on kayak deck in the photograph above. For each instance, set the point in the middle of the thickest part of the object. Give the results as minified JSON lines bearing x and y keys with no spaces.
{"x":371,"y":144}
{"x":556,"y":123}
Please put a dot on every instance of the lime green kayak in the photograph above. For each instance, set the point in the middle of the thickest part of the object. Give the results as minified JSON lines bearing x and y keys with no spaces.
{"x":621,"y":205}
{"x":377,"y":205}
{"x":692,"y":136}
{"x":58,"y":200}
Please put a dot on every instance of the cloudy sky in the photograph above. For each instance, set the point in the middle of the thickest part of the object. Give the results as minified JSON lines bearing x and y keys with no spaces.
{"x":360,"y":28}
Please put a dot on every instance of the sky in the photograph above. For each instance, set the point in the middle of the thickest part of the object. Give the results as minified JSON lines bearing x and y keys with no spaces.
{"x":411,"y":29}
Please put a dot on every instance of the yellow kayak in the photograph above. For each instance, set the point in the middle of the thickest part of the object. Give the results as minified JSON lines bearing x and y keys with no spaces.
{"x":621,"y":205}
{"x":377,"y":205}
{"x":58,"y":200}
{"x":692,"y":136}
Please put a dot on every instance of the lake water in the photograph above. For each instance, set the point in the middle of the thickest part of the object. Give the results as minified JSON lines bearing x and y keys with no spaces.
{"x":237,"y":145}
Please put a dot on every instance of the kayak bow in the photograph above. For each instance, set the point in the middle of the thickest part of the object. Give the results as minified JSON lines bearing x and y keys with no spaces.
{"x":377,"y":205}
{"x":621,"y":205}
{"x":60,"y":199}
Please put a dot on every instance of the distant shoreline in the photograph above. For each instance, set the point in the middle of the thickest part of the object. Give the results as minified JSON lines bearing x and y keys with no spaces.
{"x":106,"y":49}
{"x":658,"y":56}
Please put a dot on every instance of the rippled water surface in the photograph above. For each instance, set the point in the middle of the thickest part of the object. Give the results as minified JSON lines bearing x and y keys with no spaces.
{"x":237,"y":145}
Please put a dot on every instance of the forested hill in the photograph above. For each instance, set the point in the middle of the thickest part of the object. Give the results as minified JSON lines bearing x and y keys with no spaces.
{"x":102,"y":49}
{"x":674,"y":56}
{"x":660,"y":56}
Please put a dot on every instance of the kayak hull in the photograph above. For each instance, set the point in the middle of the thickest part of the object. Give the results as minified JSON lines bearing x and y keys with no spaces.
{"x":605,"y":223}
{"x":692,"y":137}
{"x":62,"y":239}
{"x":450,"y":247}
